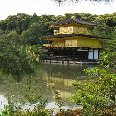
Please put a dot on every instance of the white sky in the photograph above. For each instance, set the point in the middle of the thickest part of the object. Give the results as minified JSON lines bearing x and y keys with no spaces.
{"x":12,"y":7}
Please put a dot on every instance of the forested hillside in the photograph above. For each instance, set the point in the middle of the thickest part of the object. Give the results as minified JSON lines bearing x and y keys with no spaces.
{"x":19,"y":32}
{"x":37,"y":26}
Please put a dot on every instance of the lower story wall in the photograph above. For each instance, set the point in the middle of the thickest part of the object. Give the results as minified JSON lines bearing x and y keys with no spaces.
{"x":74,"y":53}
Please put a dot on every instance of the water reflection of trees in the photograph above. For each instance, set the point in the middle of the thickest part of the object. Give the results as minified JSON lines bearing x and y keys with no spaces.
{"x":64,"y":71}
{"x":47,"y":79}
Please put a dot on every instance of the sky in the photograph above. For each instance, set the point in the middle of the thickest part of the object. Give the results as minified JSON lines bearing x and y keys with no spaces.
{"x":12,"y":7}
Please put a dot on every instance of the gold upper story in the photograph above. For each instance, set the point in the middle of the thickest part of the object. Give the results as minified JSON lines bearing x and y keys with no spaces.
{"x":73,"y":26}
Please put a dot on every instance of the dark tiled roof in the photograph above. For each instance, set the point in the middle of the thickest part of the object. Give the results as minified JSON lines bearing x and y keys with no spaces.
{"x":78,"y":21}
{"x":67,"y":35}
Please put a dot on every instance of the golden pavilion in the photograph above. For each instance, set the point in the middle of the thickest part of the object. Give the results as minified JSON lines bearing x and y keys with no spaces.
{"x":72,"y":40}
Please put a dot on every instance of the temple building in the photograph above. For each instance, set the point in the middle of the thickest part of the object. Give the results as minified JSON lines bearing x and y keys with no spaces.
{"x":72,"y":40}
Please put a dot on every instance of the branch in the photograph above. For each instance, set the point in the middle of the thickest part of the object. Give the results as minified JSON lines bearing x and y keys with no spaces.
{"x":76,"y":1}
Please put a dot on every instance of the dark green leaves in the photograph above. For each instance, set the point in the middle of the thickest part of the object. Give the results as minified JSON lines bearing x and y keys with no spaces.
{"x":14,"y":59}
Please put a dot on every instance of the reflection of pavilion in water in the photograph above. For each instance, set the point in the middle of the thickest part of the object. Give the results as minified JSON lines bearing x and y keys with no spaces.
{"x":64,"y":86}
{"x":61,"y":78}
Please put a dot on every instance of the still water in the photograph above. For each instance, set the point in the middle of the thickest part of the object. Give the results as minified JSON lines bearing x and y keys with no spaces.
{"x":48,"y":79}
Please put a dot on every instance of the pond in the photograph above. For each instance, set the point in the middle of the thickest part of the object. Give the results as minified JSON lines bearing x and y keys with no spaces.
{"x":48,"y":79}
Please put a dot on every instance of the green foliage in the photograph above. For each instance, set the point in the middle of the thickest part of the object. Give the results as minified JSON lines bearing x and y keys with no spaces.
{"x":20,"y":43}
{"x":17,"y":111}
{"x":31,"y":36}
{"x":109,"y":53}
{"x":1,"y":32}
{"x":19,"y":22}
{"x":103,"y":31}
{"x":97,"y":93}
{"x":14,"y":59}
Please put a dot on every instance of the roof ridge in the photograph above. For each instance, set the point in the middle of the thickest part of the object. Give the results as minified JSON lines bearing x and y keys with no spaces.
{"x":77,"y":20}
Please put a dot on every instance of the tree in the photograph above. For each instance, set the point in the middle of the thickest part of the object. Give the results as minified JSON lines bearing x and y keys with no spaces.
{"x":76,"y":1}
{"x":19,"y":22}
{"x":14,"y":59}
{"x":3,"y":25}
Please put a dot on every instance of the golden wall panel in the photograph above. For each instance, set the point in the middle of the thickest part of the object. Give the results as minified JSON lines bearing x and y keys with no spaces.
{"x":66,"y":30}
{"x":81,"y":30}
{"x":88,"y":42}
{"x":71,"y":43}
{"x":74,"y":29}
